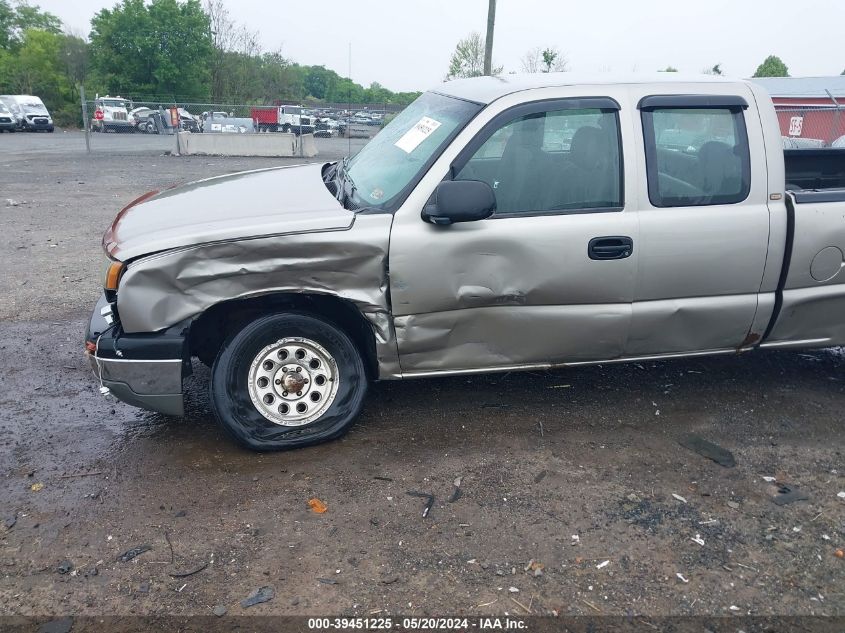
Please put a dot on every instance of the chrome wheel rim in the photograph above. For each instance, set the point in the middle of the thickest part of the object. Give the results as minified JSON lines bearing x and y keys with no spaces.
{"x":293,"y":381}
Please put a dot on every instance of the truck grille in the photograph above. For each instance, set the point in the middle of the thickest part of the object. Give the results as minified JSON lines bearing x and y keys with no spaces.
{"x":4,"y":119}
{"x":119,"y":116}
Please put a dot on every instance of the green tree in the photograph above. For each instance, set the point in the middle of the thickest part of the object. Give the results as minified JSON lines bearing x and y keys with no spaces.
{"x":163,"y":48}
{"x":319,"y":81}
{"x":553,"y":60}
{"x":7,"y":24}
{"x":74,"y":58}
{"x":16,"y":20}
{"x":715,"y":70}
{"x":36,"y":70}
{"x":772,"y":66}
{"x":468,"y":58}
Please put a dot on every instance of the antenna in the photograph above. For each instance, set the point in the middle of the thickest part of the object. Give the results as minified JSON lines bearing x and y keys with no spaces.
{"x":349,"y":104}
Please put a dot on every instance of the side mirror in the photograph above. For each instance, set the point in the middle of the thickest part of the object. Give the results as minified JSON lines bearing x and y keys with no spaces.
{"x":460,"y":201}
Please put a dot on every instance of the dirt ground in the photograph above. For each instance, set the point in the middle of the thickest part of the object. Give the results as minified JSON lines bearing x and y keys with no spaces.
{"x":575,"y":496}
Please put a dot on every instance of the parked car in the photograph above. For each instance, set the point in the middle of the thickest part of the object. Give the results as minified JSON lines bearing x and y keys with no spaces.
{"x":326,"y":127}
{"x":453,"y":243}
{"x":8,"y":120}
{"x":112,"y":114}
{"x":34,"y":116}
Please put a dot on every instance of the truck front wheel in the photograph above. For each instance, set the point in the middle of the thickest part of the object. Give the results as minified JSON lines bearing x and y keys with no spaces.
{"x":286,"y":381}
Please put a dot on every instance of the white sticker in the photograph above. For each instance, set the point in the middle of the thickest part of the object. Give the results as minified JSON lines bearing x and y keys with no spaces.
{"x":417,"y":134}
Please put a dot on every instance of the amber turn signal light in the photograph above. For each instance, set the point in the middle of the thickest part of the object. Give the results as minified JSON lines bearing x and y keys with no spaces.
{"x":113,"y":275}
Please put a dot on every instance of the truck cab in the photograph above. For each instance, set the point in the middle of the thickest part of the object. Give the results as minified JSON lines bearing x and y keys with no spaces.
{"x":495,"y":225}
{"x":112,"y":114}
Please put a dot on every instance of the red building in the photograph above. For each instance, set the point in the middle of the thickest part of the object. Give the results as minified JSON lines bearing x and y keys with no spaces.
{"x":811,"y":108}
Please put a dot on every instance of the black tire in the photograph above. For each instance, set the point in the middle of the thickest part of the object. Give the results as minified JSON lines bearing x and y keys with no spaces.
{"x":286,"y":128}
{"x":230,"y":399}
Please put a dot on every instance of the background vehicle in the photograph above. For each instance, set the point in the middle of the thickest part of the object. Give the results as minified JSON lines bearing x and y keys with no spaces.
{"x":160,"y":122}
{"x":34,"y":116}
{"x":16,"y":111}
{"x":112,"y":114}
{"x":617,"y":247}
{"x":284,"y":118}
{"x":326,"y":127}
{"x":8,"y":121}
{"x":139,"y":117}
{"x":222,"y":123}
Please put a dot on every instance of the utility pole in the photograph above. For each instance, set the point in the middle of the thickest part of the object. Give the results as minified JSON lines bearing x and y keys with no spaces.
{"x":488,"y":43}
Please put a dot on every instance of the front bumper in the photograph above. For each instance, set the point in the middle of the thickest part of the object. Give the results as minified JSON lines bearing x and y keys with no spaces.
{"x":144,"y":370}
{"x":37,"y":124}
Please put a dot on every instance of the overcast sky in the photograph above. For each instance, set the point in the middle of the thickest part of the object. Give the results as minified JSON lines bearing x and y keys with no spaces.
{"x":406,"y":44}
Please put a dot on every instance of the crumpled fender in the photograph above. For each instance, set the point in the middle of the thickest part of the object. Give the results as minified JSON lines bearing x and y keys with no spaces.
{"x":166,"y":288}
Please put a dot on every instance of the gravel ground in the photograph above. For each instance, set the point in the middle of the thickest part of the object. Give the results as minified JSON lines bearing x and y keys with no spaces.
{"x":542,"y":458}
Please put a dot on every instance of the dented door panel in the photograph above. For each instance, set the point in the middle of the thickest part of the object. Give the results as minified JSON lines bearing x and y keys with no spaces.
{"x":511,"y":336}
{"x":510,"y":290}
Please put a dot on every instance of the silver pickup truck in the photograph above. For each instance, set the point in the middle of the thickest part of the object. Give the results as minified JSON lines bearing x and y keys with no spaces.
{"x":496,"y":224}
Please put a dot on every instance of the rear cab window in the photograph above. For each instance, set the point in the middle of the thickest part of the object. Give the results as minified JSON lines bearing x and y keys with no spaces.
{"x":696,"y":148}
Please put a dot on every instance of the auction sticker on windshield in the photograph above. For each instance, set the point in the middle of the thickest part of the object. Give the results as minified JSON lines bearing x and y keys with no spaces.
{"x":417,"y":134}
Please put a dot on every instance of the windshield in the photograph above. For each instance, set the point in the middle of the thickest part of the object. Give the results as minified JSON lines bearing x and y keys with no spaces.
{"x":399,"y":153}
{"x":114,"y":103}
{"x":34,"y":108}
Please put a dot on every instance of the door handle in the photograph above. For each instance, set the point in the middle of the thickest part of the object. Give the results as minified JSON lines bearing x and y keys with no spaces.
{"x":610,"y":247}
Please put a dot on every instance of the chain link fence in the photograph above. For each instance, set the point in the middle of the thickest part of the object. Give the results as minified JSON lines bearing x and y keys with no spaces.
{"x":811,"y":126}
{"x":146,"y":123}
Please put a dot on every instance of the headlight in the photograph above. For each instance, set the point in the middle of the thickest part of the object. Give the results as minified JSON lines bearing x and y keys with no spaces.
{"x":112,"y":276}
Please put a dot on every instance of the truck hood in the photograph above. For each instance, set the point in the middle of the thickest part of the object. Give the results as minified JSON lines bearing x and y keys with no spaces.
{"x":238,"y":206}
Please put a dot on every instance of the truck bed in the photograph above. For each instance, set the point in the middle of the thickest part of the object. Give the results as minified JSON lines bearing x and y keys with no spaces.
{"x":815,"y":170}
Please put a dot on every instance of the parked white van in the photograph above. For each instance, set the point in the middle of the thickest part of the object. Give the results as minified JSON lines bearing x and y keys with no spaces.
{"x":35,"y":114}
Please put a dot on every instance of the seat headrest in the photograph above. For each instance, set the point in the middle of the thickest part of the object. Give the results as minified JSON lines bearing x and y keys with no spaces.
{"x":589,"y":147}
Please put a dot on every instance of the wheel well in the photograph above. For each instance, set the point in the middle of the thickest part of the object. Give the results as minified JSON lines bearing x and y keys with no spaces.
{"x":213,"y":327}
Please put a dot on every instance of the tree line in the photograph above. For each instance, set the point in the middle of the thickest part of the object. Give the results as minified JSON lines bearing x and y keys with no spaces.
{"x":181,"y":50}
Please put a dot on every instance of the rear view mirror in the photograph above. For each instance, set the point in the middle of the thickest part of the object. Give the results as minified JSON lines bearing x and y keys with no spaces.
{"x":460,"y":201}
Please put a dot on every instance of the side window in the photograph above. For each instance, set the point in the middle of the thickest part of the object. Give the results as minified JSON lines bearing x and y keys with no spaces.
{"x":696,"y":156}
{"x":551,"y":161}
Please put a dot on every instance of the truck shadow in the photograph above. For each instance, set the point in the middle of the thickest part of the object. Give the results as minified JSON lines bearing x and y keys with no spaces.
{"x":751,"y":393}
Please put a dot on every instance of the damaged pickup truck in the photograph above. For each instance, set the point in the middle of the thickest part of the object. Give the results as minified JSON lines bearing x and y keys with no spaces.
{"x":496,"y":224}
